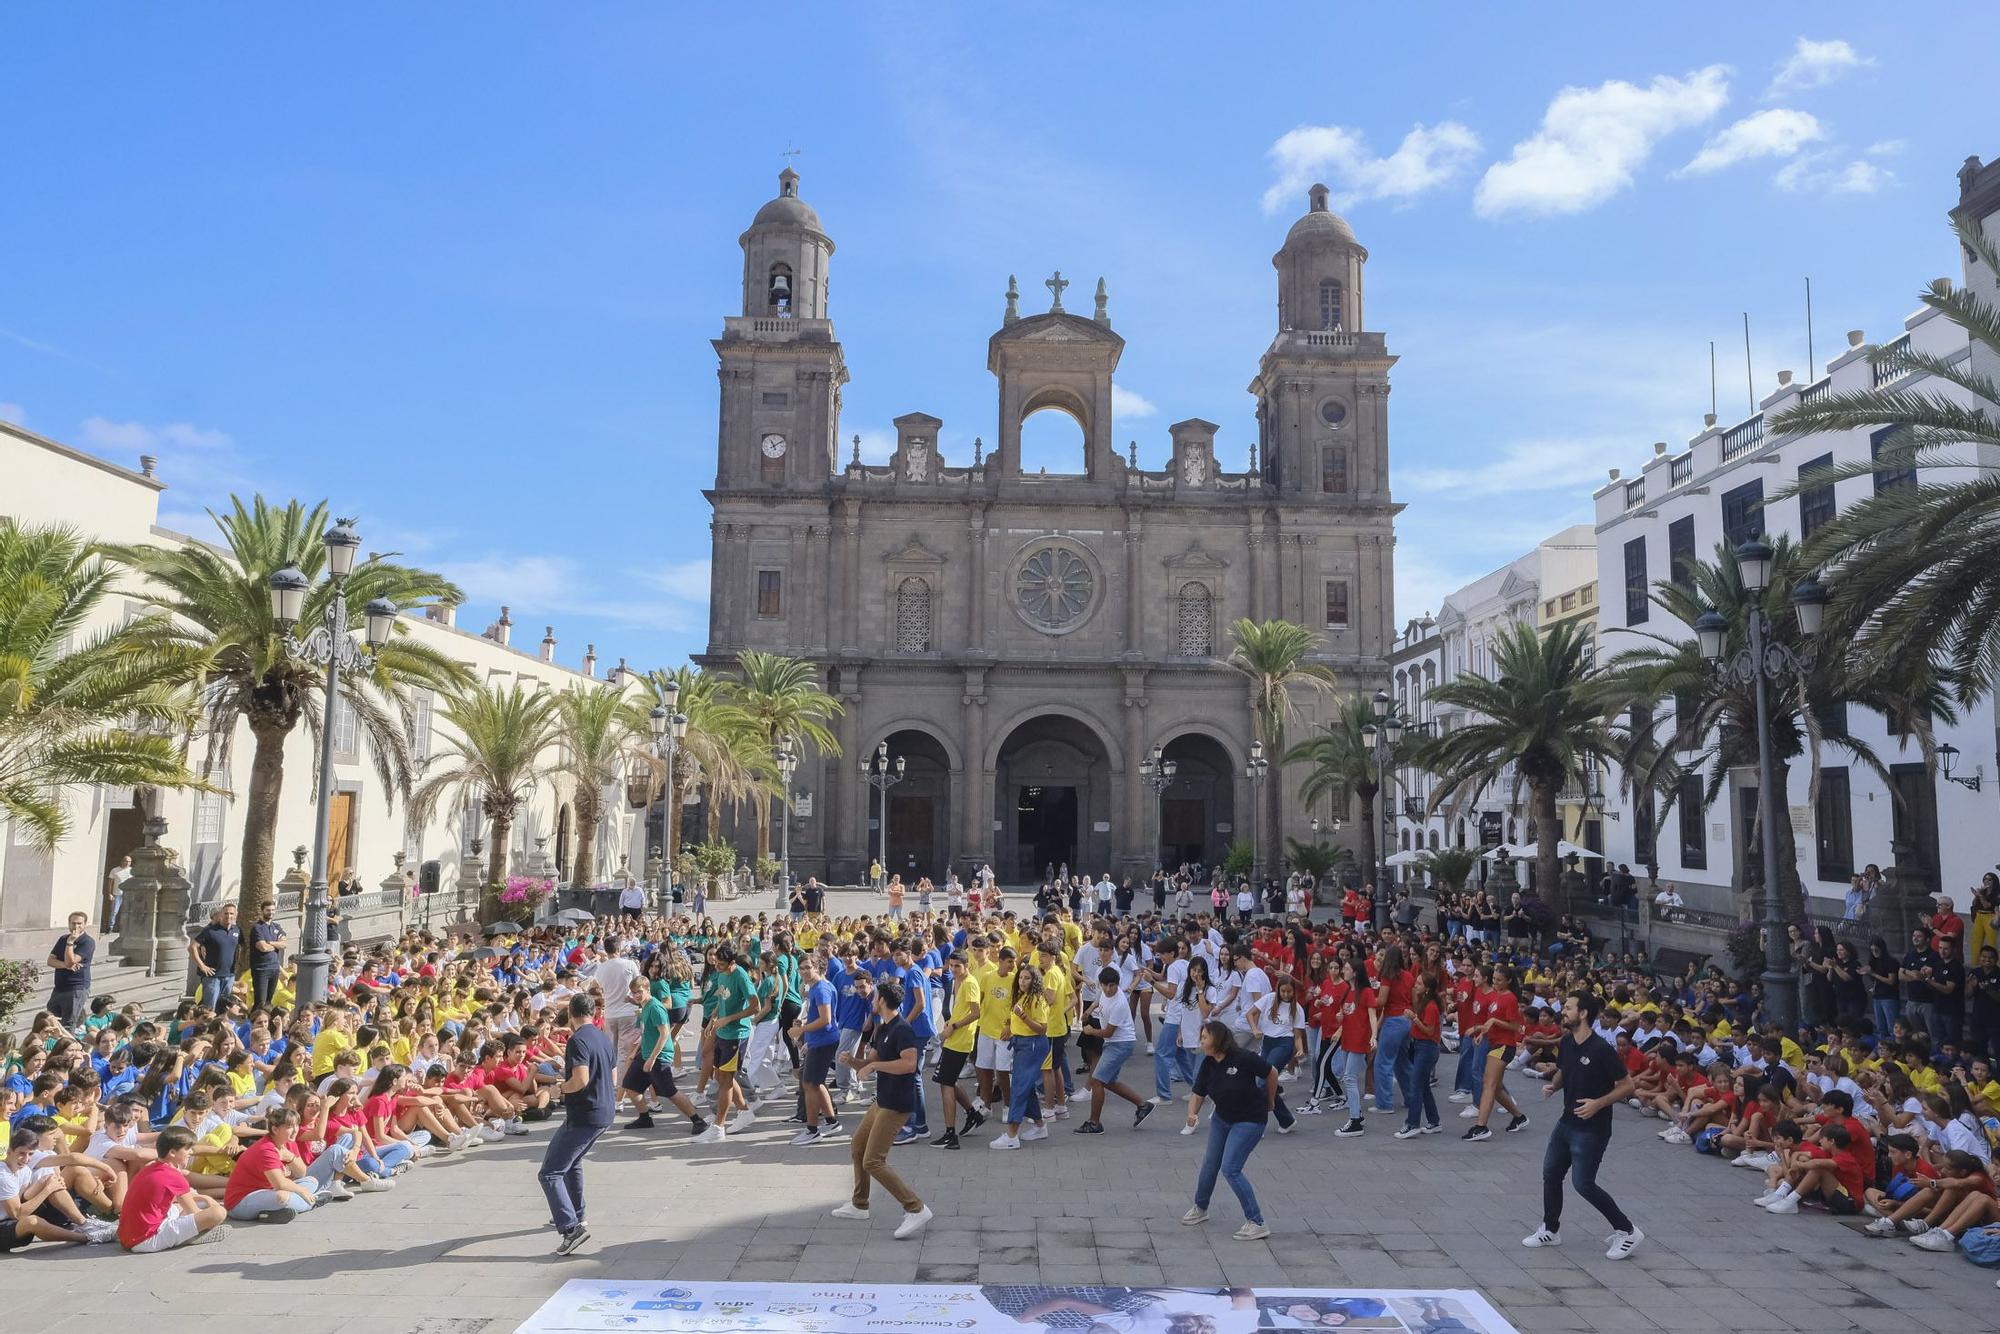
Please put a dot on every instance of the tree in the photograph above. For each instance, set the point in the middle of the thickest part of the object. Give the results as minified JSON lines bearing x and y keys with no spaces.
{"x":1545,"y":713}
{"x":1918,"y":567}
{"x":1317,"y":859}
{"x":596,"y":725}
{"x":1449,"y":868}
{"x":1277,"y":657}
{"x":719,"y":737}
{"x":77,"y":705}
{"x":1715,"y":717}
{"x":219,"y":603}
{"x":780,"y":697}
{"x":1340,"y":762}
{"x":497,"y":750}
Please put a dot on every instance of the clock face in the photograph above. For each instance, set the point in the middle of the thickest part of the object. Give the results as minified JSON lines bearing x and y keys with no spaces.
{"x":774,"y":446}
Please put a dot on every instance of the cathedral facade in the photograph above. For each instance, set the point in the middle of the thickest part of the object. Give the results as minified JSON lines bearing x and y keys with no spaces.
{"x":1022,"y":642}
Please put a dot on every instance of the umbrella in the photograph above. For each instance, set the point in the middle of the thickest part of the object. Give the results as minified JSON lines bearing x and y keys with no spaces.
{"x":488,"y":952}
{"x":1515,"y":850}
{"x":1569,"y":849}
{"x":1407,"y":857}
{"x":505,"y":929}
{"x":574,"y":915}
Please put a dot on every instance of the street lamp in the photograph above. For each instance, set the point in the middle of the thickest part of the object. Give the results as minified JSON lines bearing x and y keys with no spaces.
{"x":329,"y":645}
{"x":1763,"y":662}
{"x":1948,"y":760}
{"x":1380,"y":736}
{"x":1255,"y":772}
{"x":1157,"y":773}
{"x":788,"y":764}
{"x":669,"y":728}
{"x":881,"y":774}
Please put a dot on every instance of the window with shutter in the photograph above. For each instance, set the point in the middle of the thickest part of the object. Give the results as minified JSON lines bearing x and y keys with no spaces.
{"x":913,"y":616}
{"x":1196,"y":622}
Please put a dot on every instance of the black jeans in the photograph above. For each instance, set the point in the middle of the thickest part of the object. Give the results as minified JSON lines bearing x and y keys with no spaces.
{"x":1577,"y":1149}
{"x":263,"y":984}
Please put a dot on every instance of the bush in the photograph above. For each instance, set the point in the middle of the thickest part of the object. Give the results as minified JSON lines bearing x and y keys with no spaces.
{"x":1240,"y":860}
{"x":1746,"y":949}
{"x":1450,"y":868}
{"x":1316,"y":859}
{"x":716,"y":857}
{"x":18,"y":980}
{"x":768,"y":870}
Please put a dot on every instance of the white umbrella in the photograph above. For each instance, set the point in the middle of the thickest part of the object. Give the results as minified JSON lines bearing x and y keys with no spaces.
{"x":1515,"y":850}
{"x":1407,"y":857}
{"x":1569,"y":849}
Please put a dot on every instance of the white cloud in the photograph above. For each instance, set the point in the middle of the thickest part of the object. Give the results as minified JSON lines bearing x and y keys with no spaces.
{"x":13,"y":412}
{"x":1823,"y":173}
{"x":687,"y":579}
{"x":1779,"y":132}
{"x":98,"y":433}
{"x":877,"y":446}
{"x":1592,"y":140}
{"x":1886,"y":148}
{"x":1814,"y":65}
{"x":543,"y":588}
{"x":1530,"y":465}
{"x":1428,"y":157}
{"x":1125,"y":403}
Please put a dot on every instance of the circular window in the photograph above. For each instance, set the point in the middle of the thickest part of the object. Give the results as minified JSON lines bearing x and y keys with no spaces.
{"x":1053,"y":589}
{"x":1333,"y":412}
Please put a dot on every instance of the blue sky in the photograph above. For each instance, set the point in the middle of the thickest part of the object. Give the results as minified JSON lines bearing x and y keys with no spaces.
{"x":456,"y":267}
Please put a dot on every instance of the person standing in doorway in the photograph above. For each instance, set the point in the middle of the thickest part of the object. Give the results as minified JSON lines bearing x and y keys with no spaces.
{"x":114,"y":884}
{"x":1592,"y":1080}
{"x":267,"y":954}
{"x":892,"y":1059}
{"x":70,"y":962}
{"x":590,"y":1100}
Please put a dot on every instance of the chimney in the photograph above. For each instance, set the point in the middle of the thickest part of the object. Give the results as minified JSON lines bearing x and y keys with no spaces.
{"x":1854,"y":337}
{"x":502,"y":631}
{"x":444,"y":613}
{"x":590,"y":662}
{"x":548,"y":643}
{"x":147,"y":464}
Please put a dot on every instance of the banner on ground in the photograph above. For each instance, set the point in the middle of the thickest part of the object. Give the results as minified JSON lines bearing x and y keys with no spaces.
{"x":665,"y":1307}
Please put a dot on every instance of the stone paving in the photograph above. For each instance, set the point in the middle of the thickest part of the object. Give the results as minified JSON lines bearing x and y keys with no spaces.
{"x":462,"y":1247}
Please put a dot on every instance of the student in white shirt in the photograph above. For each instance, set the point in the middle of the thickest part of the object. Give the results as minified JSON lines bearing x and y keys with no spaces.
{"x":1109,"y":1019}
{"x":1168,"y":1062}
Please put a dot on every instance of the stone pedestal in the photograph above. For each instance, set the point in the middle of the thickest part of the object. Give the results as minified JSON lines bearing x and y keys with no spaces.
{"x":156,"y":906}
{"x":471,"y":883}
{"x":398,"y":882}
{"x":1501,"y":884}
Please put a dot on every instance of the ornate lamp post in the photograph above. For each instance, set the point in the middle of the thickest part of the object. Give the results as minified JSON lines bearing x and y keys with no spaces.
{"x":880,"y":773}
{"x":1380,"y":738}
{"x":1766,"y":661}
{"x":1157,"y":773}
{"x":669,"y":728}
{"x":1255,"y":772}
{"x":329,"y":645}
{"x":788,"y":764}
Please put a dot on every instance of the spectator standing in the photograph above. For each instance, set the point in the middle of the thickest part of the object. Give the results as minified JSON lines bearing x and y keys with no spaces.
{"x":70,"y":962}
{"x":267,"y":954}
{"x":115,"y":884}
{"x":214,"y":949}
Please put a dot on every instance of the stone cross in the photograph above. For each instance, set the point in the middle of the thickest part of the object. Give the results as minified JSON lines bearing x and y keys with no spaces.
{"x":1055,"y":283}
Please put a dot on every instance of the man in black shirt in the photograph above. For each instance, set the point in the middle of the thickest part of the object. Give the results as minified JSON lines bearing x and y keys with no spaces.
{"x":267,"y":953}
{"x":1983,"y":988}
{"x":1592,"y":1080}
{"x":590,"y":1101}
{"x":892,"y":1059}
{"x":70,"y":962}
{"x":214,"y":949}
{"x":1919,"y":1011}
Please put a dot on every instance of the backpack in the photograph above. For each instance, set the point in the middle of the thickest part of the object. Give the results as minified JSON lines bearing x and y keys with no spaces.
{"x":1981,"y":1245}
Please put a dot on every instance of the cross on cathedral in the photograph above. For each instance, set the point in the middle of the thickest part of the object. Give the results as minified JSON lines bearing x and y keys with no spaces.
{"x":1055,"y":282}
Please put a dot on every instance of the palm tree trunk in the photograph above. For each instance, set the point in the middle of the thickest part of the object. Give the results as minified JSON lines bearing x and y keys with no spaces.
{"x":1548,"y":833}
{"x":502,"y":833}
{"x":763,"y":830}
{"x":580,"y":876}
{"x":260,"y":818}
{"x":714,"y":802}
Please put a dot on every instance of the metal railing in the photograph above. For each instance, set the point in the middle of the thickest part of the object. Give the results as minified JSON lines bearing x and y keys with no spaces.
{"x":1890,"y":366}
{"x":1743,"y":437}
{"x":1681,"y":470}
{"x":1635,"y":494}
{"x":1815,"y":389}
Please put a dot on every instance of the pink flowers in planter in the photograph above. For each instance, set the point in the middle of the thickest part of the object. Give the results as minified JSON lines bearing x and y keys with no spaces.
{"x":527,"y":891}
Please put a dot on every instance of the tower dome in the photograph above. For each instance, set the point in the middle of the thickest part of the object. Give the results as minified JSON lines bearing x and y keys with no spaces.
{"x":1319,"y":224}
{"x":1319,"y":271}
{"x":787,"y":210}
{"x":785,"y":254}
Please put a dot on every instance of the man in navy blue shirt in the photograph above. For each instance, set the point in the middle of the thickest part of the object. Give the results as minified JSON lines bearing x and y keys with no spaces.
{"x":70,"y":962}
{"x":590,"y":1100}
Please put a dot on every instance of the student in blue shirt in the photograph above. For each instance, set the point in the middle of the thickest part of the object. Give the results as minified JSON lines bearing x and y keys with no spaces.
{"x":916,"y":1012}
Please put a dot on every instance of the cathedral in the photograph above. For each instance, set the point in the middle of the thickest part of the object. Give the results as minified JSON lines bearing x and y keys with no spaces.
{"x":1023,"y":643}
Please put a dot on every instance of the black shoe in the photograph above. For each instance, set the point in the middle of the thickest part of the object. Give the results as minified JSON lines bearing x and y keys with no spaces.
{"x":697,"y":1125}
{"x":973,"y":1120}
{"x":1477,"y":1133}
{"x":1139,"y":1117}
{"x":643,"y":1121}
{"x":1520,"y":1122}
{"x":795,"y":1119}
{"x":279,"y":1215}
{"x":572,"y":1239}
{"x":1351,"y":1129}
{"x":944,"y":1139}
{"x":1089,"y":1128}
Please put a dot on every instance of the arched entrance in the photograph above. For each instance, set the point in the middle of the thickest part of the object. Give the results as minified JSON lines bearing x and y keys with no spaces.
{"x":1052,"y":800}
{"x":1198,"y":809}
{"x":918,"y":836}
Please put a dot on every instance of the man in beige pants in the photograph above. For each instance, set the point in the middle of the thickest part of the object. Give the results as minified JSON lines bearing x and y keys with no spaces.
{"x":892,"y":1058}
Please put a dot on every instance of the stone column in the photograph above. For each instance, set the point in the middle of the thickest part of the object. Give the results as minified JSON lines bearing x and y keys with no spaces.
{"x":975,"y":844}
{"x":471,"y":885}
{"x":975,"y":601}
{"x":1252,"y":540}
{"x":847,"y":808}
{"x":157,"y":895}
{"x":1132,"y":838}
{"x":1134,"y":617}
{"x":850,"y":635}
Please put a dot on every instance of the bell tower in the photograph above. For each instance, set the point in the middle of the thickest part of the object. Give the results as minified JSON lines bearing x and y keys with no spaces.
{"x":781,"y":367}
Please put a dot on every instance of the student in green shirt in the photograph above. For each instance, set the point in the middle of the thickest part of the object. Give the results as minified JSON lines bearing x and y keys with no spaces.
{"x":726,"y":1016}
{"x":652,"y":1069}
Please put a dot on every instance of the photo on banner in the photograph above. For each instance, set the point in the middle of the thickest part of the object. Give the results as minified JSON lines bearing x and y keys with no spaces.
{"x":862,"y":1308}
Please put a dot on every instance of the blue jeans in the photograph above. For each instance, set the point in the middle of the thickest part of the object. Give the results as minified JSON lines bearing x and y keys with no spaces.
{"x":213,"y":989}
{"x":392,"y":1156}
{"x":562,"y":1172}
{"x":1887,"y":1011}
{"x":1277,"y":1053}
{"x":1390,"y":1040}
{"x":1417,"y":1088}
{"x":917,"y":1123}
{"x":1167,"y":1065}
{"x":1351,"y":1069}
{"x":1024,"y":1102}
{"x":1471,"y":1066}
{"x":1229,"y":1146}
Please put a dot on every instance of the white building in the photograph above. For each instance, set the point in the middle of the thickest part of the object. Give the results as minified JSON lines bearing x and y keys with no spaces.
{"x":1680,"y":505}
{"x":48,"y":482}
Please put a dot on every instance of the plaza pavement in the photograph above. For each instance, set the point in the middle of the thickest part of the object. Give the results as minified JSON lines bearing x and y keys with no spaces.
{"x":462,"y":1245}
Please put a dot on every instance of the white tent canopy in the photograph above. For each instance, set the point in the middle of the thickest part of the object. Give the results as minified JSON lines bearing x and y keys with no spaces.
{"x":1515,"y":850}
{"x":1407,"y":857}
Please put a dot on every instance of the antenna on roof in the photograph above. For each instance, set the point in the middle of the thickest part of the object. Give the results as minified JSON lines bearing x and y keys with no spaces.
{"x":1749,"y":380}
{"x":1812,"y":365}
{"x":1711,"y":377}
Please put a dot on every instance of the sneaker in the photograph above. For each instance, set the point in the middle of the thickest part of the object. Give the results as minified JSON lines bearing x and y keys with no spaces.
{"x":1784,"y":1204}
{"x":1407,"y":1132}
{"x":1916,"y":1227}
{"x":1742,"y":1160}
{"x":1540,"y":1237}
{"x":1195,"y":1215}
{"x":804,"y":1137}
{"x":336,"y":1193}
{"x":1030,"y":1132}
{"x":1081,"y":1095}
{"x":1005,"y":1141}
{"x":1187,"y":1130}
{"x":1312,"y":1108}
{"x":973,"y":1120}
{"x":488,"y":1134}
{"x":1623,"y":1244}
{"x":1139,"y":1116}
{"x":1469,"y":1113}
{"x":1460,"y":1096}
{"x":914,"y":1223}
{"x":907,"y":1136}
{"x":1351,"y":1129}
{"x":1766,"y":1197}
{"x":101,"y":1233}
{"x":1881,"y":1227}
{"x":1158,"y":1101}
{"x":979,"y":1108}
{"x":515,"y":1127}
{"x":712,"y":1135}
{"x":1089,"y":1128}
{"x":1288,"y":1128}
{"x":1059,"y":1112}
{"x":831,"y":1132}
{"x":216,"y":1233}
{"x":643,"y":1121}
{"x":1477,"y":1133}
{"x":1433,"y":1129}
{"x":795,"y":1119}
{"x":1252,"y":1232}
{"x":572,"y":1239}
{"x":1517,"y":1124}
{"x":849,"y":1211}
{"x":1149,"y":1049}
{"x":373,"y":1186}
{"x":939,"y":1142}
{"x":950,"y":1141}
{"x":742,"y":1121}
{"x":1936,"y":1239}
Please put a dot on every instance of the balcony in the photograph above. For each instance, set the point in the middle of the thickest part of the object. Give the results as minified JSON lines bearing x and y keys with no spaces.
{"x":1890,"y":367}
{"x":1681,"y":471}
{"x":1815,"y":389}
{"x":1635,"y":494}
{"x":1743,"y":437}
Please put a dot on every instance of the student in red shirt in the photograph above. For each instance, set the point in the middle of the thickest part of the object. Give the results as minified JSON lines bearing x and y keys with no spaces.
{"x":161,"y":1209}
{"x":1465,"y":990}
{"x":1962,"y":1196}
{"x":1501,"y":1028}
{"x":1426,"y":1031}
{"x":259,"y":1187}
{"x":1356,"y":1021}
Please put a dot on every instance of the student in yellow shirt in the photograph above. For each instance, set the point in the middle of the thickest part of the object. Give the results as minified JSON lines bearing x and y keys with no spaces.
{"x":994,"y":1054}
{"x":335,"y":1036}
{"x":1062,"y":1004}
{"x":960,"y":1038}
{"x":1027,"y":1027}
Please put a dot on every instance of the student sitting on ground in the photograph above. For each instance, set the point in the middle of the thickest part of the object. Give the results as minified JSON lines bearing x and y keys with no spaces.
{"x":1909,"y":1172}
{"x":35,"y":1203}
{"x":1937,"y":1203}
{"x":162,"y":1210}
{"x":1830,"y":1171}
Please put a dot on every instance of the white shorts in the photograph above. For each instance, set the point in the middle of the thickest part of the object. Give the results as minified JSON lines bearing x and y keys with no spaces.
{"x":178,"y":1228}
{"x":993,"y":1054}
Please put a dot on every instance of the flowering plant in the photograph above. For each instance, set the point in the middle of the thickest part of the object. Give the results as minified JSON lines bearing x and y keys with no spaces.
{"x":527,"y":891}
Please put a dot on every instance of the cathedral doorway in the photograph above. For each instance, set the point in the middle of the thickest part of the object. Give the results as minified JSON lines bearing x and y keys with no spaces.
{"x":1198,"y":809}
{"x":1052,"y":801}
{"x":919,"y":809}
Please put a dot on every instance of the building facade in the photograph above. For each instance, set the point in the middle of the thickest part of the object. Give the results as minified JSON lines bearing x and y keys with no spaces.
{"x":1021,"y":641}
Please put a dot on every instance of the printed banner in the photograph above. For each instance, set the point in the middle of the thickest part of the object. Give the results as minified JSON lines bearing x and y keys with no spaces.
{"x":862,"y":1308}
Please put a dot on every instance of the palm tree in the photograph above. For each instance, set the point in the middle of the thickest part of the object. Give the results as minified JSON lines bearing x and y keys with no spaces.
{"x":718,"y":738}
{"x":78,"y":706}
{"x":1714,"y":716}
{"x":219,"y":602}
{"x":780,"y":697}
{"x":1545,"y":714}
{"x":597,"y":726}
{"x":1277,"y":657}
{"x":1450,"y":868}
{"x":1918,"y":567}
{"x":497,"y":750}
{"x":1339,"y":761}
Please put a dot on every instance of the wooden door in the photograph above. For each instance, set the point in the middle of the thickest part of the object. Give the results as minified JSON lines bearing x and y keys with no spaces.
{"x":340,"y":837}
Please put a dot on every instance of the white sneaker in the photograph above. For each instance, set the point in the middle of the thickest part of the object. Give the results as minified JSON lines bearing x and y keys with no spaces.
{"x":1469,"y":1113}
{"x":1460,"y":1096}
{"x":515,"y":1127}
{"x":1252,"y":1232}
{"x":1937,"y":1239}
{"x":1784,"y":1204}
{"x":979,"y":1105}
{"x":914,"y":1223}
{"x":1765,"y":1198}
{"x":1881,"y":1227}
{"x":1149,"y":1049}
{"x":1030,"y":1132}
{"x":712,"y":1135}
{"x":742,"y":1121}
{"x":849,"y":1211}
{"x":1623,"y":1244}
{"x":373,"y":1185}
{"x":1408,"y":1132}
{"x":804,"y":1137}
{"x":1540,"y":1237}
{"x":1187,"y":1130}
{"x":1005,"y":1141}
{"x":489,"y":1134}
{"x":1158,"y":1101}
{"x":335,"y":1192}
{"x":1081,"y":1095}
{"x":1195,"y":1215}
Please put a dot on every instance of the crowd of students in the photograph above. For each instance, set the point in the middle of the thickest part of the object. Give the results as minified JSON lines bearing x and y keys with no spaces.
{"x":155,"y":1131}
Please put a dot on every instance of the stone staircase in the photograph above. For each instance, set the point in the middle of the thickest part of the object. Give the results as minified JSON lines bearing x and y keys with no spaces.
{"x":109,"y":975}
